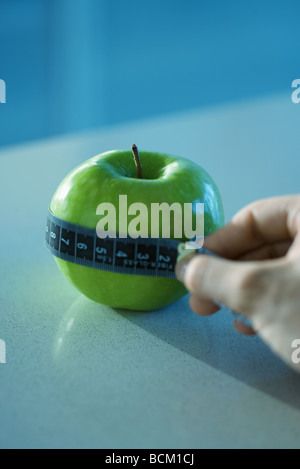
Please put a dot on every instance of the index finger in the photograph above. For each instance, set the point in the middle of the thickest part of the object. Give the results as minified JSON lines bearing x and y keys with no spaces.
{"x":266,"y":221}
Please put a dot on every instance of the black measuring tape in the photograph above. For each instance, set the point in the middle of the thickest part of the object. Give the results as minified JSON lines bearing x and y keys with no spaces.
{"x":155,"y":257}
{"x":142,"y":256}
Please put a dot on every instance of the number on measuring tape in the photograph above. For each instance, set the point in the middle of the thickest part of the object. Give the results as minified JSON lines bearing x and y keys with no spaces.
{"x":53,"y":235}
{"x":101,"y":250}
{"x":82,"y":246}
{"x":121,"y":254}
{"x":162,"y":258}
{"x":66,"y":241}
{"x":143,"y":257}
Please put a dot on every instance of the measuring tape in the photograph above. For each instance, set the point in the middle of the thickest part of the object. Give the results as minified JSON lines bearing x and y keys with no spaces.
{"x":142,"y":256}
{"x":155,"y":257}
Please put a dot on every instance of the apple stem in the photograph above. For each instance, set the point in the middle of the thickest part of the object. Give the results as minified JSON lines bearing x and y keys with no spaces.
{"x":137,"y":160}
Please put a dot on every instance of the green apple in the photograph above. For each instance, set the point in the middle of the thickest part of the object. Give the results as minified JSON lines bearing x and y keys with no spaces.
{"x":164,"y":178}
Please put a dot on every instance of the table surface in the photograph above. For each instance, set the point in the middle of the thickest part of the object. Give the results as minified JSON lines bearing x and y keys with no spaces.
{"x":79,"y":374}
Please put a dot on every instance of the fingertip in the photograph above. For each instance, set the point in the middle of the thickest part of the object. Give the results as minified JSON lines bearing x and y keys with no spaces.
{"x":242,"y":328}
{"x":202,"y":307}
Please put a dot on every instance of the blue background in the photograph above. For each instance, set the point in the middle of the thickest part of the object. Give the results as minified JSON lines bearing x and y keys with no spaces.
{"x":78,"y":64}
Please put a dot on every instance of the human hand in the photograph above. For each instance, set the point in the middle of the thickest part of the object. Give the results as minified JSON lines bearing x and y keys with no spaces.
{"x":260,"y":275}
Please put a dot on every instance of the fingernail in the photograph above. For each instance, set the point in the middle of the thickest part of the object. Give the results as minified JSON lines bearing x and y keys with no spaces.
{"x":181,"y":267}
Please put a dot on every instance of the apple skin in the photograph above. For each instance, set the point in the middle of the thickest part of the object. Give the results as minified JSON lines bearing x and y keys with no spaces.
{"x":103,"y":178}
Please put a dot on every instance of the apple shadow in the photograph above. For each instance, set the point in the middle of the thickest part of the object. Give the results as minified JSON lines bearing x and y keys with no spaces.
{"x":90,"y":330}
{"x":214,"y":341}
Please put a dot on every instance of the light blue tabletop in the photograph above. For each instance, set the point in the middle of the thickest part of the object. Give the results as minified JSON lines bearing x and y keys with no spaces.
{"x":79,"y":374}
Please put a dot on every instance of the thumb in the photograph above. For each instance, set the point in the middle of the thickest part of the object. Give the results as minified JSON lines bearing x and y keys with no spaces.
{"x":235,"y":284}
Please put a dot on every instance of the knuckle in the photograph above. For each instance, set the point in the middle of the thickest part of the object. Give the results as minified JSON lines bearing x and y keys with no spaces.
{"x":248,"y":279}
{"x":252,"y":286}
